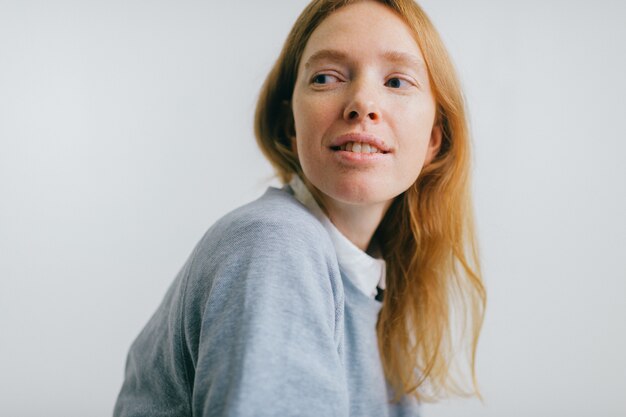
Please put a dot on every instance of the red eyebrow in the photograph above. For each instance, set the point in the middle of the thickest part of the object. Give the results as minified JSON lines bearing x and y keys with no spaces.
{"x":397,"y":57}
{"x":330,"y":54}
{"x":409,"y":60}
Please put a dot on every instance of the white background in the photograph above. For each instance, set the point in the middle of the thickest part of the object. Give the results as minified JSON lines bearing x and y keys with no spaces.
{"x":125,"y":132}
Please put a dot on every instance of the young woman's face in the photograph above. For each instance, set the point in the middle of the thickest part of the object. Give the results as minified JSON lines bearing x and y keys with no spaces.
{"x":363,"y":108}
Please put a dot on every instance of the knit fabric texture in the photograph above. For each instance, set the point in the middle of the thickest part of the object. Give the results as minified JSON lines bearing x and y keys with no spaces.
{"x":261,"y":321}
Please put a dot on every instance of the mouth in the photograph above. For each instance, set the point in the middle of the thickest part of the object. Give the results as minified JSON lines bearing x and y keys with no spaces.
{"x":358,"y":147}
{"x":360,"y":144}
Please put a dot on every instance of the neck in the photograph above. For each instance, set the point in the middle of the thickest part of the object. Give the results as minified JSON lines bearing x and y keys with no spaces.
{"x":356,"y":222}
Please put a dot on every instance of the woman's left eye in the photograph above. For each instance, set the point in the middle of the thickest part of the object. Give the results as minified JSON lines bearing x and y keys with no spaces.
{"x":396,"y":82}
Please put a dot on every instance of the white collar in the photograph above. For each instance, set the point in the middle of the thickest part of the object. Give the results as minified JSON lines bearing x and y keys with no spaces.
{"x":363,"y":270}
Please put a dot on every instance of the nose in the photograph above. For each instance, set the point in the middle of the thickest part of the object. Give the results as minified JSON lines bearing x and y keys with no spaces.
{"x":362,"y":104}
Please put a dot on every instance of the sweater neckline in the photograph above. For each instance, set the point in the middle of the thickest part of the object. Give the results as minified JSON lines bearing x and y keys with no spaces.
{"x":364,"y":271}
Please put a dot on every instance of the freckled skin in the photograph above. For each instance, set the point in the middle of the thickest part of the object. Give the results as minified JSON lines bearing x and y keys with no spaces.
{"x":363,"y":90}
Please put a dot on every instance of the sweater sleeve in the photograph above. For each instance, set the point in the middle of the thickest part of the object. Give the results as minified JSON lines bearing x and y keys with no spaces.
{"x":271,"y":325}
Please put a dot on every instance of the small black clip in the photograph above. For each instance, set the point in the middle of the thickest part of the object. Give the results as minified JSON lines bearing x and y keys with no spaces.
{"x":380,"y":294}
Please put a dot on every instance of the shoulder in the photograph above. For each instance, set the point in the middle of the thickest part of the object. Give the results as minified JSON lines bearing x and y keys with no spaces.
{"x":273,"y":236}
{"x":274,"y":219}
{"x":272,"y":247}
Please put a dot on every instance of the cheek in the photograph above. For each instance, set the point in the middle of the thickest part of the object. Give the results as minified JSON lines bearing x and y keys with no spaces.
{"x":313,"y":119}
{"x":413,"y":129}
{"x":311,"y":114}
{"x":304,"y":121}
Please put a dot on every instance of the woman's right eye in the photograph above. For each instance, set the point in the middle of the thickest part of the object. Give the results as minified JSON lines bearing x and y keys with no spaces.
{"x":324,"y":79}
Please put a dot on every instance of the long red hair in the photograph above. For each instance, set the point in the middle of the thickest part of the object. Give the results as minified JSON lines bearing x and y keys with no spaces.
{"x":435,"y":298}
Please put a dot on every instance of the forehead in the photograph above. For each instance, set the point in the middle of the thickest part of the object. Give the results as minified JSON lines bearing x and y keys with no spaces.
{"x":364,"y":29}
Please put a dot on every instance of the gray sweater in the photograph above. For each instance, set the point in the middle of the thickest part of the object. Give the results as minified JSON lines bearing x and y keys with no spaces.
{"x":261,"y":321}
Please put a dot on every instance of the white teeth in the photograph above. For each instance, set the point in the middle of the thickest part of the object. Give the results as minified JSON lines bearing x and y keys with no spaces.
{"x":360,"y":147}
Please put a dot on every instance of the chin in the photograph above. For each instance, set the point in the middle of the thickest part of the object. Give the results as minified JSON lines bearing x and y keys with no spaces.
{"x":355,"y":193}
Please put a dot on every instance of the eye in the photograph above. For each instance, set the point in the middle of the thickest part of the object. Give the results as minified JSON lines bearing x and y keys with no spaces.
{"x":324,"y":79}
{"x":396,"y":82}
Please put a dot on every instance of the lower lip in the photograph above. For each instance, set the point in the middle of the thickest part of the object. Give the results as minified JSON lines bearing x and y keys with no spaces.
{"x":359,"y":157}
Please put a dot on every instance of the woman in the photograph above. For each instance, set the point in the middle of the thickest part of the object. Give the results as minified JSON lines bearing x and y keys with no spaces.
{"x":280,"y":310}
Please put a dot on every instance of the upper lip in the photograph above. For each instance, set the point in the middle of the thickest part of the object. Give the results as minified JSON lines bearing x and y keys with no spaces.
{"x":360,"y":138}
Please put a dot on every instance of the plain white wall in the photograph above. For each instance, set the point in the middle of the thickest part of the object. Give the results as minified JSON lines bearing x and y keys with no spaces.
{"x":125,"y":131}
